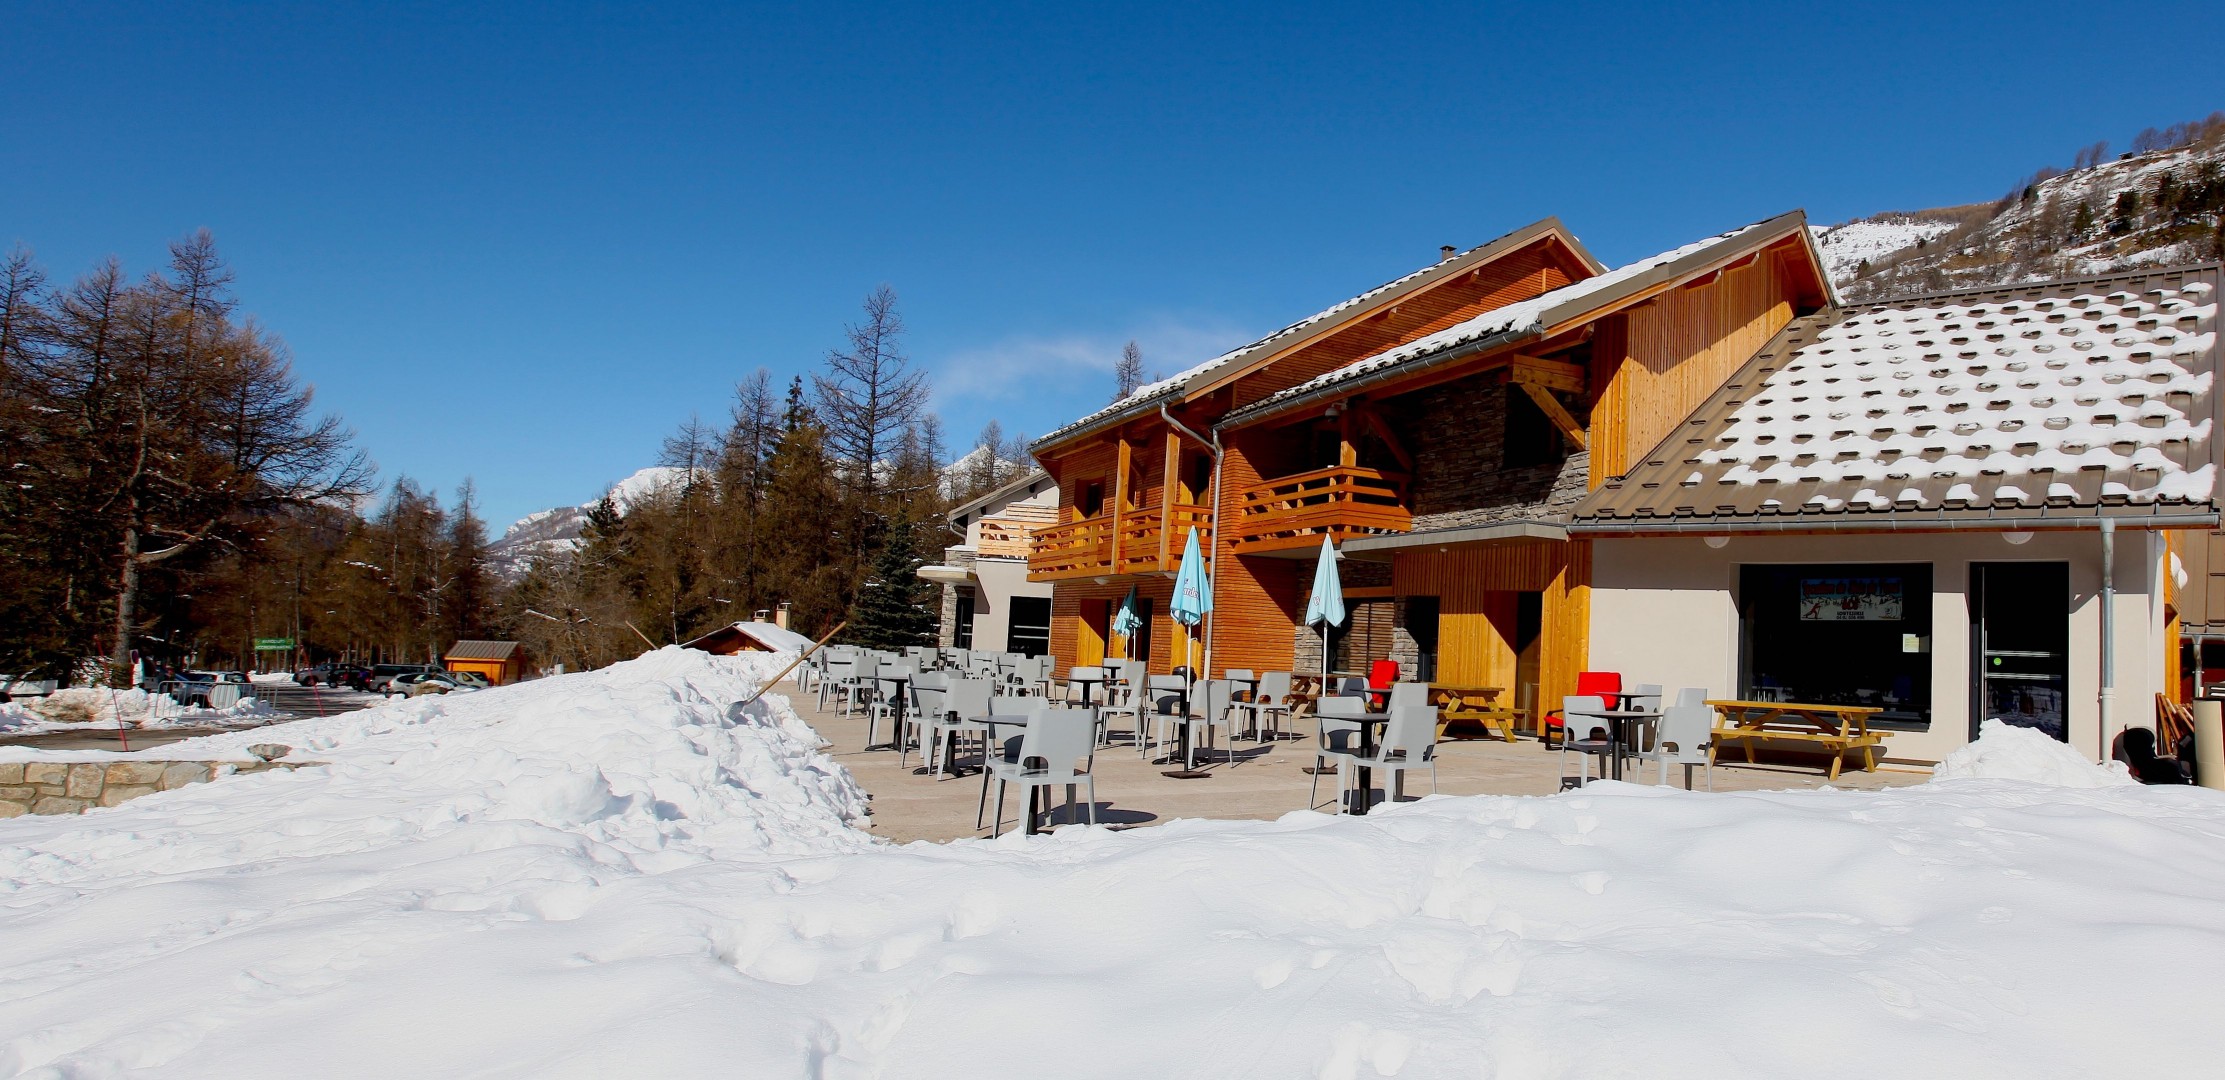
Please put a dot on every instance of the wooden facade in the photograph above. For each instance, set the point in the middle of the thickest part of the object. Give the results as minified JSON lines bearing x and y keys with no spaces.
{"x":1612,"y":380}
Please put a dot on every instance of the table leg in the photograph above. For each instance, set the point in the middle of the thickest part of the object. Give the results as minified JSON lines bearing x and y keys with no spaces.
{"x":1366,"y":776}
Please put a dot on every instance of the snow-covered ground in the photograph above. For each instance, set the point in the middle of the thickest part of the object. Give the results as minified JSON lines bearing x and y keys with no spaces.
{"x":623,"y":873}
{"x":1845,"y":247}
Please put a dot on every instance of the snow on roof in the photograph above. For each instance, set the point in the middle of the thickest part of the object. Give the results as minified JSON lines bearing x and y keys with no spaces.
{"x":2071,"y":394}
{"x":1512,"y":321}
{"x":1180,"y":381}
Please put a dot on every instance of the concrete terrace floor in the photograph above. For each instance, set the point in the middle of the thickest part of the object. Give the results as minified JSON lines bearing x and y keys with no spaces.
{"x":1267,"y":780}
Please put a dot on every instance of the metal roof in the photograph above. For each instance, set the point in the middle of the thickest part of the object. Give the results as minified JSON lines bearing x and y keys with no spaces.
{"x":1170,"y":390}
{"x":2026,"y":406}
{"x":482,"y":650}
{"x":1020,"y":488}
{"x":1531,"y":318}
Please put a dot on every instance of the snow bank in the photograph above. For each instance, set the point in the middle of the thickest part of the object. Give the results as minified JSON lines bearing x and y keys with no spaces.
{"x":79,"y":707}
{"x":2006,"y":752}
{"x":620,"y":874}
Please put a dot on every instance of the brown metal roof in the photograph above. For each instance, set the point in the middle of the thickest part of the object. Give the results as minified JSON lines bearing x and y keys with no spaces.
{"x":482,"y":650}
{"x":2011,"y":407}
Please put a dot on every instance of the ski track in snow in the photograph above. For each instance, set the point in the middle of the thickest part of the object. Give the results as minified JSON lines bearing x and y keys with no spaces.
{"x":622,"y":873}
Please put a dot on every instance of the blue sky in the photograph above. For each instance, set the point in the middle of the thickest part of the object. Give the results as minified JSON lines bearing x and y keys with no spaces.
{"x":521,"y":245}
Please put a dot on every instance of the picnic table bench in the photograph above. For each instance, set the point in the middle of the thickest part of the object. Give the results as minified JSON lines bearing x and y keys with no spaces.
{"x":1477,"y":704}
{"x":1834,"y":728}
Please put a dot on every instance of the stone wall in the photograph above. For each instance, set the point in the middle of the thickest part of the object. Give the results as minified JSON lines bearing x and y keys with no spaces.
{"x":1457,"y":436}
{"x":72,"y":787}
{"x":963,"y":557}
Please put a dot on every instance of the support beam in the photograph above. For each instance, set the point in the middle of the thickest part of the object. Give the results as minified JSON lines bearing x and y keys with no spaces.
{"x":1551,"y":374}
{"x":1553,"y":410}
{"x":1121,"y":459}
{"x":1169,"y":481}
{"x":1390,"y":442}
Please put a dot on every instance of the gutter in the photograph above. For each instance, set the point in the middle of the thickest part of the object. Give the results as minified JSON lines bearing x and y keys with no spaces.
{"x":1214,"y":447}
{"x":1990,"y":524}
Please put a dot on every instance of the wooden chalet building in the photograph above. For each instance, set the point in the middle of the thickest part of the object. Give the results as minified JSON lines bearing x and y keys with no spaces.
{"x":1439,"y":427}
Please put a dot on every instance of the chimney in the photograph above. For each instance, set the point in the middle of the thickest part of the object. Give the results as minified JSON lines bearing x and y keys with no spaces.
{"x":780,"y":615}
{"x":1445,"y":253}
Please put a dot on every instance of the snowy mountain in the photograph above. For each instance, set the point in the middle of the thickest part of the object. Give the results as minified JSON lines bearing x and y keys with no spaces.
{"x":2161,"y":207}
{"x":558,"y":529}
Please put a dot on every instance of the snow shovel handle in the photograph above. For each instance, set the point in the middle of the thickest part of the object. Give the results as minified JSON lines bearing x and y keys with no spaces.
{"x":775,"y":680}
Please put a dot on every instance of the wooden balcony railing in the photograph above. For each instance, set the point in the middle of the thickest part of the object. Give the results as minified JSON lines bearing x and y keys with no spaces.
{"x":1092,"y":547}
{"x":1340,"y":503}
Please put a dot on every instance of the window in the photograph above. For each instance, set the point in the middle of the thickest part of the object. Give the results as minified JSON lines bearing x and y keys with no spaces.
{"x":961,"y":632}
{"x":1029,"y":630}
{"x":1365,"y":635}
{"x":1092,"y":500}
{"x":1839,"y":634}
{"x":1530,"y":437}
{"x":1421,"y":625}
{"x":1201,"y":477}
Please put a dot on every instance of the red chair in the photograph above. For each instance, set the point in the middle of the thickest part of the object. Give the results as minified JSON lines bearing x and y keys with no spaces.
{"x":1380,"y":675}
{"x":1602,"y":684}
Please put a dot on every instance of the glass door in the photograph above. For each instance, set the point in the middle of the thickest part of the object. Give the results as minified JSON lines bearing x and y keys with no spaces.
{"x":2020,"y":632}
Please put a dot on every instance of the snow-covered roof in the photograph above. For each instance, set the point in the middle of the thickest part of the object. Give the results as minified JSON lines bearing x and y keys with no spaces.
{"x":769,"y":635}
{"x":2018,"y":402}
{"x":1167,"y":390}
{"x":1530,"y":317}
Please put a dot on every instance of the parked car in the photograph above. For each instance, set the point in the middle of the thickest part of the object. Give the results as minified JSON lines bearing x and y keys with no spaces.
{"x":433,"y":682}
{"x":383,"y":674}
{"x":199,"y":687}
{"x":471,"y":679}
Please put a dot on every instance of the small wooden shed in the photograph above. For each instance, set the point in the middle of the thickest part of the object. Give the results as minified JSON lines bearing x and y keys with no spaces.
{"x":500,"y":662}
{"x":749,"y":637}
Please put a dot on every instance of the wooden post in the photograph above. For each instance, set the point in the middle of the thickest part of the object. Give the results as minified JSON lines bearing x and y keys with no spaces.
{"x":1170,"y":483}
{"x":1119,"y":500}
{"x":806,"y":655}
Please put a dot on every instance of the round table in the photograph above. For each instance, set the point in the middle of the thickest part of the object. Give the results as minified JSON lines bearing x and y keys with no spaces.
{"x":1358,"y":799}
{"x":1618,"y":720}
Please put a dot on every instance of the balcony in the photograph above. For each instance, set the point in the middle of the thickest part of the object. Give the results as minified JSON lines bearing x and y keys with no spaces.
{"x":1094,"y":547}
{"x":1342,"y":503}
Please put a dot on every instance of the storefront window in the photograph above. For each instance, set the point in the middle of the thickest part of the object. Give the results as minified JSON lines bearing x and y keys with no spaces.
{"x":1839,"y":634}
{"x":961,"y":630}
{"x":1029,"y":632}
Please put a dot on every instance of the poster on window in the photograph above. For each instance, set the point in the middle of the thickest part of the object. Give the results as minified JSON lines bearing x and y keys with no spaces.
{"x":1850,"y":599}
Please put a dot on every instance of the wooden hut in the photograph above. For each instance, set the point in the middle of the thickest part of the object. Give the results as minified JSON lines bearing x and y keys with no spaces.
{"x":499,"y":662}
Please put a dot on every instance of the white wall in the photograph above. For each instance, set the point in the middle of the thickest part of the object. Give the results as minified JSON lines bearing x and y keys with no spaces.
{"x":1000,"y":581}
{"x":1664,"y":609}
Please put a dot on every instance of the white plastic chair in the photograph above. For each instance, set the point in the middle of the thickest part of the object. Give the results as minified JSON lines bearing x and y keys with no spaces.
{"x":889,"y":682}
{"x":1579,"y":718}
{"x":1409,"y":742}
{"x":1408,"y":695}
{"x":855,"y":688}
{"x":1057,"y":749}
{"x":1210,"y":703}
{"x":1270,"y":708}
{"x":1686,"y":733}
{"x":1691,"y":697}
{"x":834,"y":666}
{"x":929,"y":703}
{"x":1162,"y":703}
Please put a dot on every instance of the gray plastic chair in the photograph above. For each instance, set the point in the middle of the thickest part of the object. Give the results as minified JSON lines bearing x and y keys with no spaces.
{"x":1579,"y":719}
{"x":929,"y":702}
{"x":1057,"y":749}
{"x":1269,"y":708}
{"x":1409,"y":742}
{"x":1336,"y":736}
{"x":1687,"y":731}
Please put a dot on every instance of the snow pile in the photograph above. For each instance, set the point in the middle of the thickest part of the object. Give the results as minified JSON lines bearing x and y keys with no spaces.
{"x":1846,"y":247}
{"x":2006,"y":752}
{"x":620,"y":874}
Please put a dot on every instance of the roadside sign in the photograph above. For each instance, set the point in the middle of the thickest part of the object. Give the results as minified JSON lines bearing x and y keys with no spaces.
{"x":274,"y":644}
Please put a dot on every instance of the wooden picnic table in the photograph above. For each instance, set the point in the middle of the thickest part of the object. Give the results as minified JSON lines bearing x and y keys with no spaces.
{"x":1835,"y":728}
{"x":1480,"y":704}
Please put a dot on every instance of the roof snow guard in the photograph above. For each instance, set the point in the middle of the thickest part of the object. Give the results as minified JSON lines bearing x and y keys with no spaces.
{"x":2013,"y":407}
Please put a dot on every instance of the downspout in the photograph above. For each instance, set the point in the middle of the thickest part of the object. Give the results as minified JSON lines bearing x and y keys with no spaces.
{"x":2108,"y":632}
{"x":1214,"y":531}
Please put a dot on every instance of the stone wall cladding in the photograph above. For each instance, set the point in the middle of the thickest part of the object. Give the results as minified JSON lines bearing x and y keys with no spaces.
{"x":1457,"y":436}
{"x":56,"y":787}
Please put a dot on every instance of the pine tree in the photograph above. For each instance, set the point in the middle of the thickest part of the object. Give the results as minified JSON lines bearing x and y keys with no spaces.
{"x":895,"y":607}
{"x":1128,"y":373}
